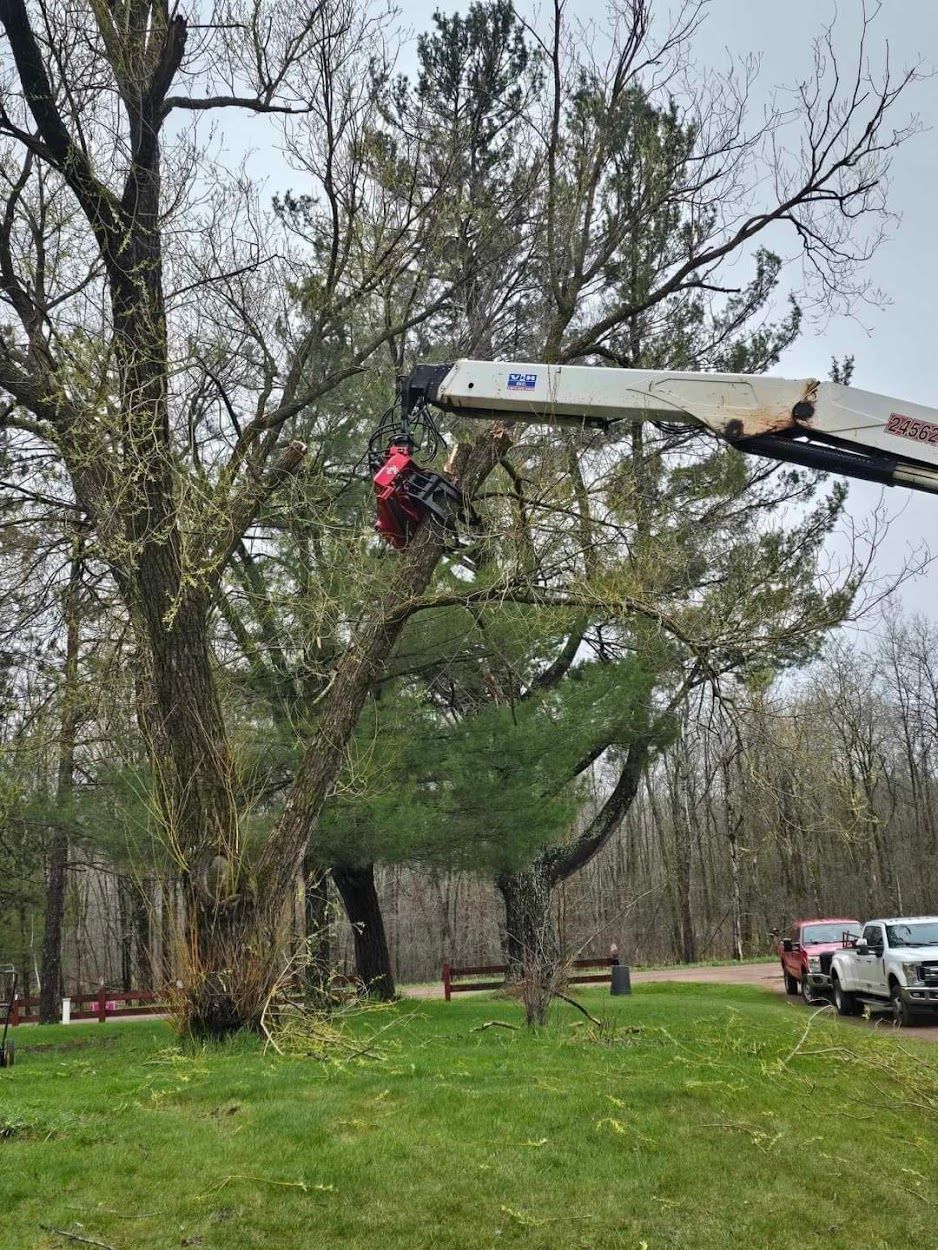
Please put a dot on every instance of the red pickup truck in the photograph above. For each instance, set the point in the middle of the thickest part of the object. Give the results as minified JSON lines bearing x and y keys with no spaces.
{"x":806,"y":955}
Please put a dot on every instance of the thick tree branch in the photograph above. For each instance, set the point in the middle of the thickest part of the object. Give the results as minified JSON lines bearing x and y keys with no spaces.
{"x":252,"y":104}
{"x":98,"y":204}
{"x":563,"y":861}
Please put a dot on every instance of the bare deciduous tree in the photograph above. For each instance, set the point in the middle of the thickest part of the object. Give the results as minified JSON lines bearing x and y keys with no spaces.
{"x":171,"y":340}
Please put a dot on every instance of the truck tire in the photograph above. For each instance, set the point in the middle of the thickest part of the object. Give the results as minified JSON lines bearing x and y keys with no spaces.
{"x":808,"y":992}
{"x":791,"y":985}
{"x":845,"y":1002}
{"x":902,"y":1013}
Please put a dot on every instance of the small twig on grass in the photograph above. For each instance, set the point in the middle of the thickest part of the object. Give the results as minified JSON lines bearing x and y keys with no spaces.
{"x":263,"y":1180}
{"x":120,"y":1215}
{"x":87,"y":1241}
{"x":759,"y":1138}
{"x":804,"y":1036}
{"x":494,"y":1024}
{"x":573,"y":1003}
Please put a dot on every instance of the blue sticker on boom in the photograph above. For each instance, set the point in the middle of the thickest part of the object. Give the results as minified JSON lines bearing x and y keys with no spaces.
{"x":522,"y":381}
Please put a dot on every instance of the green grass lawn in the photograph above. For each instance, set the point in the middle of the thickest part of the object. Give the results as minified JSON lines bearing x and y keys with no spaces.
{"x":683,"y":1124}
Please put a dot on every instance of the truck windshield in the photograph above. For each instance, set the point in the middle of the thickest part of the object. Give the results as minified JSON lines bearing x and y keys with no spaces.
{"x":925,"y":934}
{"x":828,"y":932}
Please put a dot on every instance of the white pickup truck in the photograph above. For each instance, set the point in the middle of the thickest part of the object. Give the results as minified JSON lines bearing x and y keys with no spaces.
{"x":893,"y":964}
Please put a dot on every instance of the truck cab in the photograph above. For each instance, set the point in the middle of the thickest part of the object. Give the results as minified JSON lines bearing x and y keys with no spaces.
{"x":807,"y":952}
{"x":893,"y":964}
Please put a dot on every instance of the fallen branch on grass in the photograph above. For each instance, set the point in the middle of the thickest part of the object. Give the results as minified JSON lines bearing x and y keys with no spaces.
{"x":579,"y":1006}
{"x":493,"y":1024}
{"x":804,"y":1036}
{"x":311,"y":1033}
{"x":261,"y":1180}
{"x":87,"y":1241}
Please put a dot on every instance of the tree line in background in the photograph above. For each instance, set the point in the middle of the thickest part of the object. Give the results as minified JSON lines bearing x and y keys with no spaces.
{"x":817,"y":796}
{"x":222,"y":700}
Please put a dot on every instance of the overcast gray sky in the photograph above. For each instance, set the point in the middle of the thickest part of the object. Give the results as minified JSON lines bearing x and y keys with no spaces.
{"x":895,"y":345}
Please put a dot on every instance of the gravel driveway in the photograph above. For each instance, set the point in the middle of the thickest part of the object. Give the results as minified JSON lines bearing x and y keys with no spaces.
{"x":767,"y":976}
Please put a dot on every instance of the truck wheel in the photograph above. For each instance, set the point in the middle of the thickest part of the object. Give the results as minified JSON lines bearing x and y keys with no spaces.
{"x":791,"y":985}
{"x":902,"y":1014}
{"x":844,"y":1001}
{"x":807,"y":992}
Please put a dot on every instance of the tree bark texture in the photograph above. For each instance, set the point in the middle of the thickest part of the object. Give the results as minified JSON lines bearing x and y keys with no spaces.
{"x":360,"y":899}
{"x":532,"y":939}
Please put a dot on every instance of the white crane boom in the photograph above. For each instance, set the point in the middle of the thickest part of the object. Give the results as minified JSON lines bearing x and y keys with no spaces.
{"x":821,"y":425}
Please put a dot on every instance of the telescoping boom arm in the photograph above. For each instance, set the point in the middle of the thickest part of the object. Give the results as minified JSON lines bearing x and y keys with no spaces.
{"x":821,"y":425}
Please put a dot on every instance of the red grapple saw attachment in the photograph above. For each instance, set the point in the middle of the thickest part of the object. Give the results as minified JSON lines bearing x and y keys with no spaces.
{"x":406,"y":493}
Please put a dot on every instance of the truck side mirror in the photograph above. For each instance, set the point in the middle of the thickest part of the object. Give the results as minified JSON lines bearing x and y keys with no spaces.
{"x":786,"y":945}
{"x":861,"y":947}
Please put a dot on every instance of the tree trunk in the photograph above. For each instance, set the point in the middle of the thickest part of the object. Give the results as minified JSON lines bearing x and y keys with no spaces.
{"x":360,"y":899}
{"x":734,"y":823}
{"x":531,"y":934}
{"x":132,"y":498}
{"x":25,"y":975}
{"x":167,"y":931}
{"x":51,"y":960}
{"x":126,"y":932}
{"x":737,"y":907}
{"x":688,"y":935}
{"x":51,"y":970}
{"x":143,"y":936}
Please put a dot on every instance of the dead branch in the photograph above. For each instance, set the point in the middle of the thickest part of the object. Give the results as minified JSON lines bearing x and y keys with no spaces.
{"x":87,"y":1241}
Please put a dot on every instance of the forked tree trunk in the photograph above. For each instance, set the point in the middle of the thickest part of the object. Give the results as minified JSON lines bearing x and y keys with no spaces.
{"x":360,"y":899}
{"x":533,"y":950}
{"x":131,"y":496}
{"x":226,"y":918}
{"x":281,"y":858}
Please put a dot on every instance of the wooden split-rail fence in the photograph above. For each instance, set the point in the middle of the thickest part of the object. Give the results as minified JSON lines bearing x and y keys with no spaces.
{"x":454,"y":981}
{"x":103,"y":1004}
